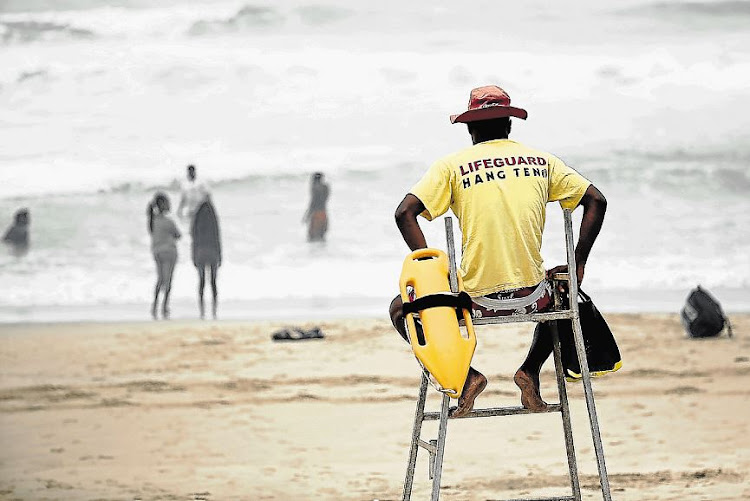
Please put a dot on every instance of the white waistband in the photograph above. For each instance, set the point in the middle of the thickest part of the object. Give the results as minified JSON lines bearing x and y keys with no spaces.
{"x":515,"y":303}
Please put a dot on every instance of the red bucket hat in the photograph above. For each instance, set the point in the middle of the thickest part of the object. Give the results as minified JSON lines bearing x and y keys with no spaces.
{"x":486,"y":103}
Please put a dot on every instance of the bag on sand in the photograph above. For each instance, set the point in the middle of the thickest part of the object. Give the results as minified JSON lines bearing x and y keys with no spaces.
{"x":602,"y":353}
{"x":702,"y":315}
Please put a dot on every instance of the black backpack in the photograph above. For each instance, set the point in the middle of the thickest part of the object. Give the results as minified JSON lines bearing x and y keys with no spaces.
{"x":702,"y":315}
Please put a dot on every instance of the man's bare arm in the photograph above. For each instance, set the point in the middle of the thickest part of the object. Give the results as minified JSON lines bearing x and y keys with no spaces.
{"x":594,"y":207}
{"x":406,"y":220}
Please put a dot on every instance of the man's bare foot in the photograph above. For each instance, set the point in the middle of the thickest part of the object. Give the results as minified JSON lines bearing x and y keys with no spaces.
{"x":474,"y":385}
{"x":530,"y":396}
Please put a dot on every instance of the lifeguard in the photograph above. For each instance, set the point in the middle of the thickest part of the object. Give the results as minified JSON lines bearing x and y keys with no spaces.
{"x":501,"y":220}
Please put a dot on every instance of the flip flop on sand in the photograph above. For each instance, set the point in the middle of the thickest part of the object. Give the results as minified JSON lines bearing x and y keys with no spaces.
{"x":297,"y":334}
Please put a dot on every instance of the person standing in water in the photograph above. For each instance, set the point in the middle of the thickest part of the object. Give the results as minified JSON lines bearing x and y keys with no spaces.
{"x":206,"y":249}
{"x":164,"y":236}
{"x":17,"y":236}
{"x":316,"y":216}
{"x":194,"y":193}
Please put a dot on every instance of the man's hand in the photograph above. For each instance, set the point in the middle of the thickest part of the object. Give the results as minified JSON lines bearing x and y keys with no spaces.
{"x":563,"y":268}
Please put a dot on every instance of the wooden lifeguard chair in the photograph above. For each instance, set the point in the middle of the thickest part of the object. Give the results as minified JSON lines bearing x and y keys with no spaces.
{"x":436,"y":447}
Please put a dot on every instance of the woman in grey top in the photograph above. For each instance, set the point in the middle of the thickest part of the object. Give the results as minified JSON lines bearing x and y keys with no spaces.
{"x":164,"y":235}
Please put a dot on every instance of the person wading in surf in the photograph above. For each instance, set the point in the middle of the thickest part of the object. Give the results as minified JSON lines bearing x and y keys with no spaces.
{"x":17,"y":236}
{"x":316,"y":216}
{"x":164,"y":236}
{"x":193,"y":194}
{"x":498,"y":189}
{"x":206,"y":251}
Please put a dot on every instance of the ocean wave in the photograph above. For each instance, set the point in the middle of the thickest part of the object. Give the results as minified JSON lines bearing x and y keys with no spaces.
{"x":718,"y":9}
{"x":320,"y":15}
{"x":249,"y":17}
{"x":739,"y":156}
{"x":657,"y":173}
{"x":32,"y":75}
{"x":253,"y":18}
{"x":719,"y":15}
{"x":175,"y":184}
{"x":62,"y":5}
{"x":675,"y":171}
{"x":19,"y":32}
{"x":677,"y":181}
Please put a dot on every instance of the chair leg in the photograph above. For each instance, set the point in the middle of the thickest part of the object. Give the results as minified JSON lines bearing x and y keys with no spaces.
{"x":581,"y":353}
{"x":565,"y":411}
{"x":438,"y":467}
{"x":593,"y":419}
{"x":416,"y":433}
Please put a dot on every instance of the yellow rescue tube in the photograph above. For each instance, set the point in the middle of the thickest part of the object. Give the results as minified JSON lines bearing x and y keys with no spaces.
{"x":446,"y":353}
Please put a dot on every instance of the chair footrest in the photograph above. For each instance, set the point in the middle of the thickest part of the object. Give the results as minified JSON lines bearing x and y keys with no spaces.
{"x":495,"y":411}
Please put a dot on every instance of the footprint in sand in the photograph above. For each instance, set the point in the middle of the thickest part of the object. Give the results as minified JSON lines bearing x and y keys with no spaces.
{"x":684,"y":390}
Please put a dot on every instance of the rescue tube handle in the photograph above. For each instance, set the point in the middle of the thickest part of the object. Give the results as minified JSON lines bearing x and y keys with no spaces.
{"x":425,"y":253}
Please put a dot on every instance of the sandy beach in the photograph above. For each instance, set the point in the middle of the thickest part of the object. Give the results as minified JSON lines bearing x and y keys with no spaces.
{"x":216,"y":410}
{"x":121,"y":119}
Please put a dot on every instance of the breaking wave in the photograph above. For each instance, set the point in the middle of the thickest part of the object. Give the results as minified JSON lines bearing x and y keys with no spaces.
{"x":258,"y":17}
{"x":730,"y":14}
{"x":729,"y":8}
{"x":249,"y":17}
{"x":18,"y":32}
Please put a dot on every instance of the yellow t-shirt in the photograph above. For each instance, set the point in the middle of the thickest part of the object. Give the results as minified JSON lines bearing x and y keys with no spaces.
{"x":499,"y":191}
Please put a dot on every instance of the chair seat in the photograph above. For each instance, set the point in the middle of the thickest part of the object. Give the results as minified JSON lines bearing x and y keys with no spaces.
{"x":532,"y":317}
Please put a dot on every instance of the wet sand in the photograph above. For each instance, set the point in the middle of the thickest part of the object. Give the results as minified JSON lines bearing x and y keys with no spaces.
{"x":216,"y":410}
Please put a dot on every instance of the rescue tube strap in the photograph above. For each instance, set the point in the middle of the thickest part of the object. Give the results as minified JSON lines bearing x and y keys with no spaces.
{"x":461,"y":300}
